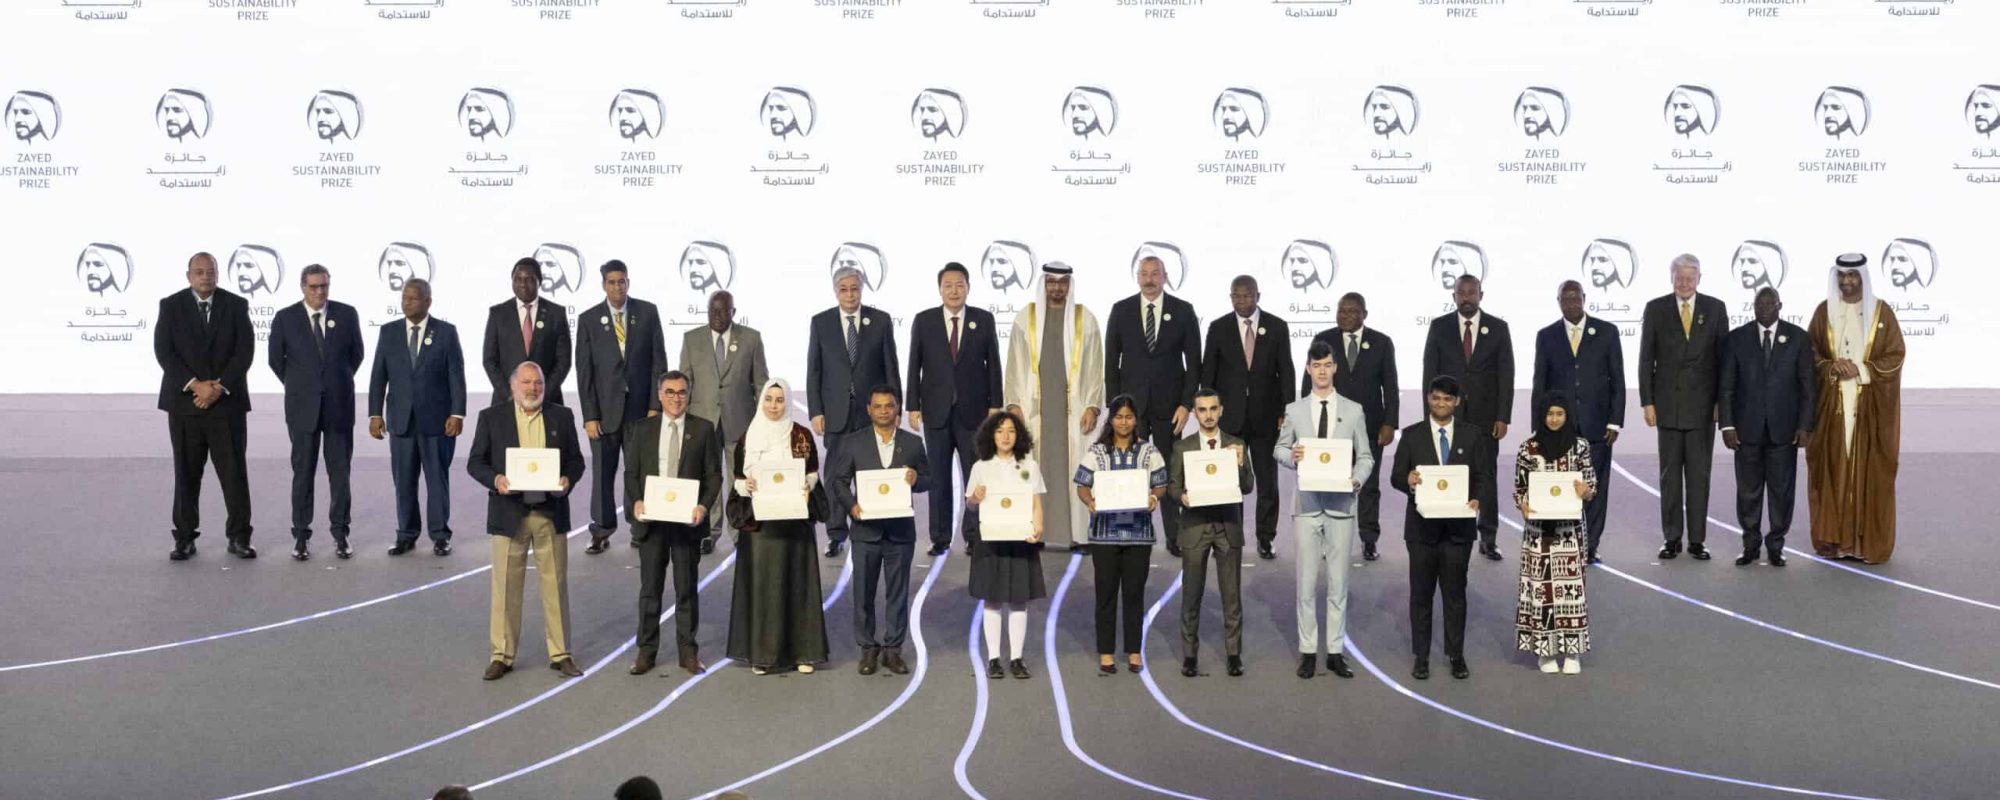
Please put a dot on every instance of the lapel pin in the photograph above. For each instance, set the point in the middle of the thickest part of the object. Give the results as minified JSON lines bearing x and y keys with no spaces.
{"x":1365,"y":345}
{"x":1169,"y":316}
{"x":604,"y":320}
{"x":732,"y":348}
{"x":427,"y":340}
{"x":1260,"y":331}
{"x":331,"y":323}
{"x":538,"y":324}
{"x":1482,"y":331}
{"x":866,"y":321}
{"x":973,"y":324}
{"x":1781,"y":338}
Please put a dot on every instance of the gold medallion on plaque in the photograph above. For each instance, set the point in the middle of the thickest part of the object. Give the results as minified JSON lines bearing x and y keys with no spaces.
{"x":1326,"y":458}
{"x":1443,"y":484}
{"x":1210,"y":470}
{"x":1006,"y":502}
{"x":882,"y":488}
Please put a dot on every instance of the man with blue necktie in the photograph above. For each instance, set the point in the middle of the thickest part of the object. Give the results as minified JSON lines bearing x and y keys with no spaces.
{"x":416,"y":394}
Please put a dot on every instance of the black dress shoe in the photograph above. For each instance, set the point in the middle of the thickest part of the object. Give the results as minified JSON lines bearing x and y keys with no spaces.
{"x":1491,"y":552}
{"x":868,"y":660}
{"x":1188,"y":668}
{"x":892,"y":660}
{"x":1018,"y":669}
{"x":993,"y":669}
{"x":1337,"y":664}
{"x":496,"y":669}
{"x":938,"y":550}
{"x":1235,"y":666}
{"x":1307,"y":666}
{"x":1174,"y":549}
{"x":400,"y":548}
{"x":1422,"y":671}
{"x":1747,"y":559}
{"x":341,"y":550}
{"x":1671,"y":550}
{"x":566,"y":666}
{"x":833,"y":549}
{"x":1369,"y":553}
{"x":1107,"y":668}
{"x":1265,"y":552}
{"x":1777,"y":559}
{"x":708,"y":546}
{"x":1698,"y":552}
{"x":442,"y":548}
{"x":242,"y":549}
{"x":300,"y":553}
{"x":597,"y":545}
{"x":183,"y":550}
{"x":1459,"y":670}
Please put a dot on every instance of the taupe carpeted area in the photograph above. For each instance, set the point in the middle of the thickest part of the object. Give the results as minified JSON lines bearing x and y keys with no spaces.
{"x":1724,"y":681}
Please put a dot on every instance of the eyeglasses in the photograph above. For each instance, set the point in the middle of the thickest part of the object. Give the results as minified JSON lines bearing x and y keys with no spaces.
{"x":673,"y":392}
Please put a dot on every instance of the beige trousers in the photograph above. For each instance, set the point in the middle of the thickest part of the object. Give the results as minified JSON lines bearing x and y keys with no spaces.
{"x":510,"y":570}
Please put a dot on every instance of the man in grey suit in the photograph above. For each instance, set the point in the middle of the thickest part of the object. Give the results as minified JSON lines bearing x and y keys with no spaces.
{"x":851,"y":348}
{"x":1324,"y":521}
{"x":1680,"y":364}
{"x":882,"y":548}
{"x":726,"y":362}
{"x":621,"y":352}
{"x":1210,"y":528}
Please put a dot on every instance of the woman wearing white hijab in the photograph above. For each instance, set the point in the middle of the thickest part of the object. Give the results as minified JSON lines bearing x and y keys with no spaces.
{"x":775,"y":618}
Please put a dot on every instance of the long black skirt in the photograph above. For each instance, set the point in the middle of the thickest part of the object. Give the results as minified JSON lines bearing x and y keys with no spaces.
{"x":775,"y":618}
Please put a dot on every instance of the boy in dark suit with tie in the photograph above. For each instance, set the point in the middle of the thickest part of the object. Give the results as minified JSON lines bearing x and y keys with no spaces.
{"x":1440,"y":549}
{"x":882,"y":548}
{"x":1767,"y":408}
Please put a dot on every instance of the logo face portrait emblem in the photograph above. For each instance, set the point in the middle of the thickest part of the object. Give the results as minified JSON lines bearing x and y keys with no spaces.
{"x":1540,"y":111}
{"x":1324,"y":458}
{"x":1692,"y":110}
{"x":1608,"y":264}
{"x":1758,"y":263}
{"x":1909,"y":264}
{"x":863,"y":257}
{"x":882,"y":489}
{"x":1089,"y":110}
{"x":32,"y":115}
{"x":1006,"y":502}
{"x":334,"y":116}
{"x":635,"y":113}
{"x":1240,"y":112}
{"x":562,"y":267}
{"x":401,"y":262}
{"x":255,"y":270}
{"x":1982,"y":109}
{"x":1210,"y":469}
{"x":1008,"y":265}
{"x":1172,"y":260}
{"x":182,"y":113}
{"x":104,"y":268}
{"x":1390,"y":111}
{"x":1443,"y":484}
{"x":486,"y":113}
{"x":787,"y":111}
{"x":938,"y":114}
{"x":1841,"y":111}
{"x":1455,"y":258}
{"x":1308,"y":264}
{"x":707,"y":266}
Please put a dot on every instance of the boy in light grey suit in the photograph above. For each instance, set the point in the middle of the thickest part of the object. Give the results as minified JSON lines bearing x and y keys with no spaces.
{"x":726,"y":361}
{"x":1324,"y":521}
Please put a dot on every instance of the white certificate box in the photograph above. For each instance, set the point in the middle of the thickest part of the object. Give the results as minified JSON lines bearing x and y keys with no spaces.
{"x":883,"y":494}
{"x":1211,"y":477}
{"x":1007,"y":515}
{"x":781,"y":489}
{"x":1121,"y":489}
{"x":1327,"y":465}
{"x":1442,"y":491}
{"x":671,"y":499}
{"x":534,"y":469}
{"x":1552,"y":496}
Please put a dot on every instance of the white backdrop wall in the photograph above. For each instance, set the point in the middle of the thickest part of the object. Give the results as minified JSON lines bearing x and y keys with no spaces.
{"x":90,"y":158}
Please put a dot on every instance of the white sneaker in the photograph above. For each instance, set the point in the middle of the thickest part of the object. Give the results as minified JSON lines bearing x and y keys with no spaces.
{"x":805,"y":669}
{"x":1572,"y":665}
{"x":1548,"y":665}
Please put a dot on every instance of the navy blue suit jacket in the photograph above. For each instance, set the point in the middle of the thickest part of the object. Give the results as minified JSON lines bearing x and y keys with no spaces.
{"x":319,"y":386}
{"x":419,"y":397}
{"x":863,"y":455}
{"x":1768,"y":402}
{"x":1594,"y":378}
{"x":938,"y":383}
{"x":836,"y":388}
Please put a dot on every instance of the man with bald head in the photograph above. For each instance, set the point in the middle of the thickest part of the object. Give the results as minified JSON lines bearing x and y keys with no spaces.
{"x":1681,"y":339}
{"x":204,"y":343}
{"x":725,"y":362}
{"x":1582,"y":358}
{"x":1152,"y":351}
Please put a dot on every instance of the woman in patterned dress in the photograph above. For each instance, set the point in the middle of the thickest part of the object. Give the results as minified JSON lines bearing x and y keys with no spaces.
{"x":1551,"y":619}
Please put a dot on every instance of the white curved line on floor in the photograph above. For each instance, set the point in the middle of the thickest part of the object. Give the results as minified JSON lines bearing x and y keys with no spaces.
{"x":215,"y":637}
{"x":1161,"y":698}
{"x":979,"y":680}
{"x":1062,"y":699}
{"x":1814,"y":557}
{"x":559,"y":688}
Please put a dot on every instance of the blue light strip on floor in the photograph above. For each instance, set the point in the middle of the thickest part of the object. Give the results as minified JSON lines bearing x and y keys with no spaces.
{"x":1161,"y":698}
{"x":1062,"y":699}
{"x":979,"y":680}
{"x":1814,"y":557}
{"x":216,"y":637}
{"x":559,"y":688}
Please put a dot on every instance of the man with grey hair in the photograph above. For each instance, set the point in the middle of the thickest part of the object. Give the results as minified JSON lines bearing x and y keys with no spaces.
{"x":521,"y":521}
{"x":1680,"y":364}
{"x":851,"y":348}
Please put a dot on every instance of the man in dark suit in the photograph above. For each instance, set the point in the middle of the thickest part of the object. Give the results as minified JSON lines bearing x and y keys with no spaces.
{"x":680,"y":445}
{"x":526,"y":328}
{"x":1476,"y":349}
{"x":315,"y":349}
{"x":416,"y":394}
{"x":1207,"y":530}
{"x":1366,"y":374}
{"x":204,"y":343}
{"x":851,"y":348}
{"x":955,"y":373}
{"x":1583,"y":358}
{"x":621,"y":352}
{"x":1681,"y":338}
{"x":725,"y":363}
{"x":1152,"y":351}
{"x":519,"y":521}
{"x":1248,"y":362}
{"x":1768,"y":402}
{"x":882,"y":547}
{"x":1440,"y":549}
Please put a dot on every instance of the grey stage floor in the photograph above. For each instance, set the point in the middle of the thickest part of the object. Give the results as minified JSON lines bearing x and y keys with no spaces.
{"x":360,"y":679}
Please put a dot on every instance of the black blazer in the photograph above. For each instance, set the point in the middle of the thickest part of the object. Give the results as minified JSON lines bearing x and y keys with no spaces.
{"x":861,"y":454}
{"x":616,"y":387}
{"x":495,"y":433}
{"x":1594,"y":378}
{"x":1254,"y":396}
{"x":1159,"y":378}
{"x":837,"y":389}
{"x":701,"y":460}
{"x":502,"y":352}
{"x":1370,"y":380}
{"x":954,"y":392}
{"x":1488,"y":381}
{"x":319,"y":387}
{"x":416,"y":399}
{"x":1679,"y":374}
{"x":188,"y":350}
{"x":1768,"y":401}
{"x":1417,"y":449}
{"x":1230,"y":516}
